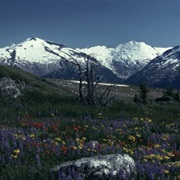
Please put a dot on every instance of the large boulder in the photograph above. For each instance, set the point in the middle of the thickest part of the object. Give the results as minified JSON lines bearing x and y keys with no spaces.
{"x":100,"y":167}
{"x":9,"y":88}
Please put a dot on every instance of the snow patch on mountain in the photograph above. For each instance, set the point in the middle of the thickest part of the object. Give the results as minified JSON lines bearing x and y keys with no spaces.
{"x":163,"y":71}
{"x":101,"y":53}
{"x":135,"y":51}
{"x":38,"y":51}
{"x":125,"y":59}
{"x":42,"y":57}
{"x":49,"y":59}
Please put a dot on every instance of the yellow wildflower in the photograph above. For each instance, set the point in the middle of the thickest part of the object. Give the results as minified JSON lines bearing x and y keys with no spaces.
{"x":32,"y":135}
{"x":157,"y":146}
{"x":80,"y":147}
{"x":131,"y":138}
{"x":102,"y":125}
{"x":56,"y":143}
{"x":163,"y":150}
{"x":83,"y":138}
{"x":166,"y":157}
{"x":166,"y":171}
{"x":58,"y":139}
{"x":131,"y":152}
{"x":14,"y":156}
{"x":152,"y":156}
{"x":74,"y":147}
{"x":77,"y":139}
{"x":16,"y":151}
{"x":170,"y":154}
{"x":145,"y":160}
{"x":15,"y":135}
{"x":160,"y":158}
{"x":178,"y":176}
{"x":138,"y":135}
{"x":125,"y":149}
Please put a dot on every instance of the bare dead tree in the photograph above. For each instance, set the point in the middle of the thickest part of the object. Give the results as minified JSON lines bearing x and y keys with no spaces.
{"x":88,"y":90}
{"x":90,"y":83}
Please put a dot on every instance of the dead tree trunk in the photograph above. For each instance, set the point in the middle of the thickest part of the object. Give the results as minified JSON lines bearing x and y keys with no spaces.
{"x":90,"y":78}
{"x":81,"y":96}
{"x":87,"y":90}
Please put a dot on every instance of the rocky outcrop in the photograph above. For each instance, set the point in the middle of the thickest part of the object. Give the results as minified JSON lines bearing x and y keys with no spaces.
{"x":100,"y":167}
{"x":9,"y":88}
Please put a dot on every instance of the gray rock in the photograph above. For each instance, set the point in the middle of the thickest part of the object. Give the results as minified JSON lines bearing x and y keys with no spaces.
{"x":100,"y":167}
{"x":9,"y":88}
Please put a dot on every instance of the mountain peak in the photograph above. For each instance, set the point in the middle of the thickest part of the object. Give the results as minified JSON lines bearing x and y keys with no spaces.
{"x":133,"y":51}
{"x":162,"y":71}
{"x":124,"y":60}
{"x":33,"y":38}
{"x":132,"y":42}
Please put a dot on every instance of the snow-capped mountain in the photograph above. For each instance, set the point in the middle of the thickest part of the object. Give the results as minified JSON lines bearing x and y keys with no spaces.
{"x":126,"y":59}
{"x":162,"y":71}
{"x":48,"y":59}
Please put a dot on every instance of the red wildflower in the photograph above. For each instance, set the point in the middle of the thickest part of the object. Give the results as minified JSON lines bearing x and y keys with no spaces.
{"x":37,"y":125}
{"x":36,"y":144}
{"x":75,"y":128}
{"x":122,"y":143}
{"x":47,"y":152}
{"x":150,"y":144}
{"x":54,"y":128}
{"x":64,"y":149}
{"x":176,"y":154}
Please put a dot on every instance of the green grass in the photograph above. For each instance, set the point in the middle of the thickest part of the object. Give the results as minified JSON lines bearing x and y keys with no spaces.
{"x":29,"y":79}
{"x":45,"y":103}
{"x":166,"y":112}
{"x":44,"y":97}
{"x":40,"y":104}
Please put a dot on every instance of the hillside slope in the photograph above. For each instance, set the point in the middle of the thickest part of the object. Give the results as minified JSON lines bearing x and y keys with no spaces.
{"x":163,"y":71}
{"x":26,"y":78}
{"x":49,"y":59}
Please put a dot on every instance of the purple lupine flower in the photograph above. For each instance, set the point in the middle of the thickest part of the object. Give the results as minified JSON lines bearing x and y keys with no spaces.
{"x":38,"y":162}
{"x":7,"y":146}
{"x":61,"y":175}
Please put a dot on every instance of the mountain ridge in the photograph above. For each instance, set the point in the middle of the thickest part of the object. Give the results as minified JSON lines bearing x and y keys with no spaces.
{"x":54,"y":60}
{"x":48,"y":59}
{"x":125,"y":59}
{"x":163,"y":71}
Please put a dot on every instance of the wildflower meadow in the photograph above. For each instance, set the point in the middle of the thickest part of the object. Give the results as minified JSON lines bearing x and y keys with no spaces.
{"x":30,"y":150}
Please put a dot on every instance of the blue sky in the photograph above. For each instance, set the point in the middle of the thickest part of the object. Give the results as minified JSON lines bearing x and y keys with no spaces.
{"x":85,"y":23}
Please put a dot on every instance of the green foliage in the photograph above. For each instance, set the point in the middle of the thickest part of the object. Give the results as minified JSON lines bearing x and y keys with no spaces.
{"x":169,"y":96}
{"x":170,"y":92}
